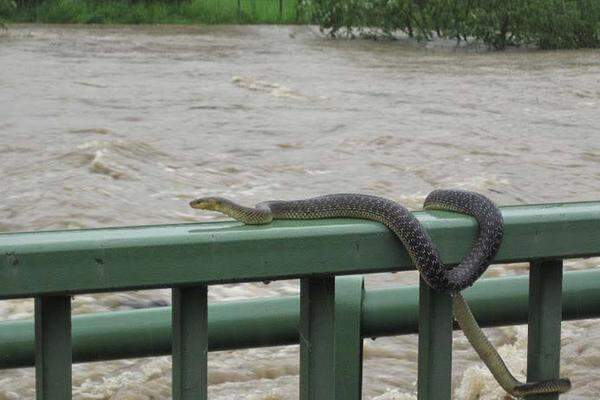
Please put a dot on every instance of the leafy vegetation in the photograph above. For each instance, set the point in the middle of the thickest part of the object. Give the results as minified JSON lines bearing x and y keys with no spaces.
{"x":6,"y":8}
{"x":155,"y":11}
{"x":548,"y":24}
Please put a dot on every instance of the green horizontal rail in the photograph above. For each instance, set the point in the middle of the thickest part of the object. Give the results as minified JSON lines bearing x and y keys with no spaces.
{"x":165,"y":256}
{"x":274,"y":321}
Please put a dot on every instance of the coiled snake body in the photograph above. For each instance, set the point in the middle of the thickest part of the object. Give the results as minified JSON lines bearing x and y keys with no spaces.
{"x":421,"y":249}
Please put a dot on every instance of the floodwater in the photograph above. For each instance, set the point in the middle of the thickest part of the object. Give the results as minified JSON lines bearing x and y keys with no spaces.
{"x":103,"y":126}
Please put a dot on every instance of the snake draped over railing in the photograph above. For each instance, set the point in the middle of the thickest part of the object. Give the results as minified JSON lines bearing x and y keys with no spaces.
{"x":421,"y":249}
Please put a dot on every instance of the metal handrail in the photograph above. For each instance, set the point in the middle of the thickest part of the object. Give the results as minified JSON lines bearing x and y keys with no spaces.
{"x":273,"y":321}
{"x":52,"y":266}
{"x":81,"y":261}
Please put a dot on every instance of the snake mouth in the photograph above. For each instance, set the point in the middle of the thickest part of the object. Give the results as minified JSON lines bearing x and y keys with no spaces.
{"x":197,"y":203}
{"x":209,"y":203}
{"x":204,"y":203}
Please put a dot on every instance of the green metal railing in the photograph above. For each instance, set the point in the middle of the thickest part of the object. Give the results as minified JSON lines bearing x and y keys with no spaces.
{"x":329,"y":319}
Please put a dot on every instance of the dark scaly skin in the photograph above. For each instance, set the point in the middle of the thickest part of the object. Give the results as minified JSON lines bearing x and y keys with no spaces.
{"x":421,"y":249}
{"x":394,"y":216}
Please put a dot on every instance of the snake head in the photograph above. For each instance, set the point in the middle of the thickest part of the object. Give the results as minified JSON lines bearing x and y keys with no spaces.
{"x":209,"y":203}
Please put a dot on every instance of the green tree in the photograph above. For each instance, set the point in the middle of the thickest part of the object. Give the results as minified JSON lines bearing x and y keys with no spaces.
{"x":500,"y":23}
{"x":6,"y":7}
{"x":563,"y":24}
{"x":549,"y":24}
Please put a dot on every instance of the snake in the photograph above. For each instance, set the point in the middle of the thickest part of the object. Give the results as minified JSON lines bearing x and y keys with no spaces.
{"x":421,"y":249}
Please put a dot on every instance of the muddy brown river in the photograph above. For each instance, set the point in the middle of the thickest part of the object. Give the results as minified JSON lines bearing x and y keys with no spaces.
{"x":105,"y":126}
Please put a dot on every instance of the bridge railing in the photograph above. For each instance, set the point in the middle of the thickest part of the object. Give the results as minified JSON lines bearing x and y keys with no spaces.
{"x":330,"y":317}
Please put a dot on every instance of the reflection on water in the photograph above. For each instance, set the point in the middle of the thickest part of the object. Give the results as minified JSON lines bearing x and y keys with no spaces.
{"x":106,"y":126}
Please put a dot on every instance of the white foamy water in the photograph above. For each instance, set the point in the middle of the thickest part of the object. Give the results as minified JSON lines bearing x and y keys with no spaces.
{"x":104,"y":126}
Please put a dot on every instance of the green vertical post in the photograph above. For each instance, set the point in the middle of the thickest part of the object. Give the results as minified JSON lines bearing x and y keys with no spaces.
{"x":545,"y":315}
{"x":435,"y":344}
{"x":53,"y":353}
{"x":317,"y":350}
{"x":348,"y":339}
{"x":190,"y":343}
{"x":280,"y":10}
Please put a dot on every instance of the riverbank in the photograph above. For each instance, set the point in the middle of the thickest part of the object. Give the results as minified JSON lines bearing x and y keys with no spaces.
{"x":154,"y":12}
{"x":543,"y":24}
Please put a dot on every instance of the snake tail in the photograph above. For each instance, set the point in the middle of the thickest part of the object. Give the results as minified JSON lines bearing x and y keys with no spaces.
{"x":494,"y":362}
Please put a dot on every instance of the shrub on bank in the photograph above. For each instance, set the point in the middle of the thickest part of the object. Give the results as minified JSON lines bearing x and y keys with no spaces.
{"x":548,"y":24}
{"x":6,"y":8}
